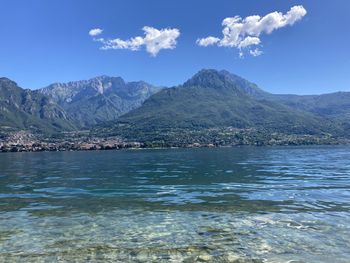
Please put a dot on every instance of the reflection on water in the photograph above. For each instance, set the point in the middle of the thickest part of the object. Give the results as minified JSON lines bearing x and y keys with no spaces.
{"x":278,"y":204}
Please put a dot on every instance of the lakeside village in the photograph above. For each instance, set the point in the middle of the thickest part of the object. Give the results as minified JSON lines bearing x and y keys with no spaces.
{"x":23,"y":141}
{"x":26,"y":142}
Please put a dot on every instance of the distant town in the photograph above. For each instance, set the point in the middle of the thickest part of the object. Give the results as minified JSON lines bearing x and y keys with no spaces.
{"x":23,"y":141}
{"x":26,"y":142}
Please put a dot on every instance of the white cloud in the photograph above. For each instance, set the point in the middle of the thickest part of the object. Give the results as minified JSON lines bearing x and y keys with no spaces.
{"x":255,"y":52}
{"x":95,"y":32}
{"x":154,"y":40}
{"x":245,"y":32}
{"x":207,"y":41}
{"x":249,"y":41}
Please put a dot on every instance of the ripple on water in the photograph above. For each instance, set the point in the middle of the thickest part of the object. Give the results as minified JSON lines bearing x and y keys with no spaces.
{"x":217,"y":205}
{"x":161,"y":236}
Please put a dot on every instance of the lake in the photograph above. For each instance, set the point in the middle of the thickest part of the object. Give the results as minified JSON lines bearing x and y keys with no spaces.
{"x":241,"y":204}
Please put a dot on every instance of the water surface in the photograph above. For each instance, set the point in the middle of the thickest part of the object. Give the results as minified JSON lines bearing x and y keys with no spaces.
{"x":242,"y":204}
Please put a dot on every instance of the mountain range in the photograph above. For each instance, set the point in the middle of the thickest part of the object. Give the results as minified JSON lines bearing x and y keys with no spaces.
{"x":23,"y":109}
{"x":209,"y":100}
{"x":101,"y":99}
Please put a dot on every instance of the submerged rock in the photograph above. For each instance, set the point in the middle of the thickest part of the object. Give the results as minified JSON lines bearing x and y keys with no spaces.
{"x":205,"y":257}
{"x":233,"y":258}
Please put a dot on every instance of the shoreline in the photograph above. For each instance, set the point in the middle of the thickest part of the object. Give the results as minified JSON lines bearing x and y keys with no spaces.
{"x":24,"y":141}
{"x":172,"y":147}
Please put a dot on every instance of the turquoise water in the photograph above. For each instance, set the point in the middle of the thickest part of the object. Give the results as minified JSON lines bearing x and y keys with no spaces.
{"x":243,"y":204}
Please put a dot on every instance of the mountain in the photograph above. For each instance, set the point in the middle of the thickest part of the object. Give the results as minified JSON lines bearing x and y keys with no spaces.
{"x":31,"y":110}
{"x":334,"y":106}
{"x":244,"y":85}
{"x":212,"y":106}
{"x":90,"y":102}
{"x":217,"y":99}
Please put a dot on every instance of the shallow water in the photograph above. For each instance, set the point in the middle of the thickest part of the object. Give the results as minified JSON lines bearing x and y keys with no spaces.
{"x":243,"y":204}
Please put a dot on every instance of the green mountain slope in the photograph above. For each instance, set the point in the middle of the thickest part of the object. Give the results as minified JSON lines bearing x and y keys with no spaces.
{"x":30,"y":110}
{"x":334,"y":106}
{"x":216,"y":99}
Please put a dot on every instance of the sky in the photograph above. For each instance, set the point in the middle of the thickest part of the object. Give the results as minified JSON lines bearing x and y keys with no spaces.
{"x":300,"y":47}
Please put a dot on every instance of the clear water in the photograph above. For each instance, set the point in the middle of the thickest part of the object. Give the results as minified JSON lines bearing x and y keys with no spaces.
{"x":278,"y":204}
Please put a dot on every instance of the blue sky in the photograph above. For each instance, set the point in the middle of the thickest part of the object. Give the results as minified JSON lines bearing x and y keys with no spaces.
{"x":42,"y":42}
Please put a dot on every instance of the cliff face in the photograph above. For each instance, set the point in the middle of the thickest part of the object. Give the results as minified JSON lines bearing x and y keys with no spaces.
{"x":100,"y":99}
{"x":27,"y":109}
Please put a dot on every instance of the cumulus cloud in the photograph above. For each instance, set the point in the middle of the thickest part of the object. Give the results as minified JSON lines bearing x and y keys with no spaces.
{"x":153,"y":40}
{"x":244,"y":33}
{"x":95,"y":32}
{"x":207,"y":41}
